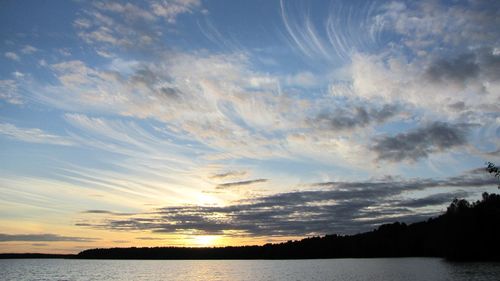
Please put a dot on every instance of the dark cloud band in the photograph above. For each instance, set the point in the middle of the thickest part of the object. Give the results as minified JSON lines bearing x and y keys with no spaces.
{"x":338,"y":207}
{"x":239,"y":183}
{"x":419,"y":143}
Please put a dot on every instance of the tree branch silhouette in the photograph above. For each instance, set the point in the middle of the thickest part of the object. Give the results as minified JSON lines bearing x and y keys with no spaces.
{"x":493,"y":169}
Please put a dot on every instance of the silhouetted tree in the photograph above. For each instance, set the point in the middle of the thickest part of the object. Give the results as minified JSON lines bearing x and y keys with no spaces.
{"x":492,"y":169}
{"x":458,"y":205}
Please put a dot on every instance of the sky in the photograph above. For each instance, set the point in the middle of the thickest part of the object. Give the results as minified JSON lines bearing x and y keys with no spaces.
{"x":211,"y":123}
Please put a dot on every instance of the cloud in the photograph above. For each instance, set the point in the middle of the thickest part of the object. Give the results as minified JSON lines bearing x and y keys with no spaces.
{"x":464,"y":67}
{"x":239,"y":112}
{"x":43,"y":237}
{"x":33,"y":135}
{"x":97,"y":212}
{"x":337,"y":207}
{"x":131,"y":26}
{"x":28,"y":50}
{"x":82,"y":23}
{"x":112,"y":25}
{"x":457,"y":69}
{"x":9,"y":92}
{"x":121,"y":241}
{"x":239,"y":183}
{"x":75,"y":73}
{"x":12,"y":56}
{"x":229,"y":174}
{"x":420,"y":142}
{"x":350,"y":118}
{"x":132,"y":140}
{"x":244,"y":117}
{"x":435,"y":58}
{"x":302,"y":79}
{"x":458,"y":106}
{"x":346,"y":30}
{"x":306,"y":39}
{"x":432,"y":24}
{"x":106,"y":212}
{"x":40,"y":244}
{"x":169,"y":10}
{"x":128,"y":10}
{"x":149,"y":238}
{"x":432,"y":200}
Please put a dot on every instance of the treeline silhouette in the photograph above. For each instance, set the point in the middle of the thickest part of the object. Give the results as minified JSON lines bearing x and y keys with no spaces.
{"x":466,"y":231}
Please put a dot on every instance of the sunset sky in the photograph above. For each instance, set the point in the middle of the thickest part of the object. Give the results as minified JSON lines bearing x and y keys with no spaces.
{"x":205,"y":123}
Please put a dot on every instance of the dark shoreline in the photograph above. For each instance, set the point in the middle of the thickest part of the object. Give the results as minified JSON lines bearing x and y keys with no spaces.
{"x":36,"y":256}
{"x":75,"y":257}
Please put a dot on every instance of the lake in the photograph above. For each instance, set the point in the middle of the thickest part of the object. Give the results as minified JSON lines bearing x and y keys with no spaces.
{"x":407,"y":269}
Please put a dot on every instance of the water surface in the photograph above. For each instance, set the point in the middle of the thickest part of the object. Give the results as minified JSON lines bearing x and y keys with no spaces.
{"x":407,"y":269}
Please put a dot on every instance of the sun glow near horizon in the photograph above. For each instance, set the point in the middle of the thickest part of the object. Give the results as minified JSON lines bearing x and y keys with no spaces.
{"x":206,"y":240}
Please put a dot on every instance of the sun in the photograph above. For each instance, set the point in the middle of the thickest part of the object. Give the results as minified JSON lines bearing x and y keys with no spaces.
{"x":205,"y":240}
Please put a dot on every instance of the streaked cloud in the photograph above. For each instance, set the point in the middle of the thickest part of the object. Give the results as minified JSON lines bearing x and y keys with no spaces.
{"x":432,"y":200}
{"x":97,"y":212}
{"x":33,"y":135}
{"x":239,"y":183}
{"x":353,"y":117}
{"x":229,"y":174}
{"x":149,"y":238}
{"x":105,"y":212}
{"x":43,"y":237}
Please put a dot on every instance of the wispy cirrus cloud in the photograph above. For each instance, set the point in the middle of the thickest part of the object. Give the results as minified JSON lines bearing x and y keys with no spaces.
{"x":349,"y":28}
{"x":33,"y":135}
{"x":230,"y":119}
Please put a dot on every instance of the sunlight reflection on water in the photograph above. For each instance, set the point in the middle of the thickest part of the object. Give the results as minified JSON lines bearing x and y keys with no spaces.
{"x":410,"y":269}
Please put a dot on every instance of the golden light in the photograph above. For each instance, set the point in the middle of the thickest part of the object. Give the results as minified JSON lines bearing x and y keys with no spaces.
{"x":205,"y":240}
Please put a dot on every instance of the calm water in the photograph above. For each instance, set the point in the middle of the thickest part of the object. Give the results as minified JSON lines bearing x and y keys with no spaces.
{"x":407,"y":269}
